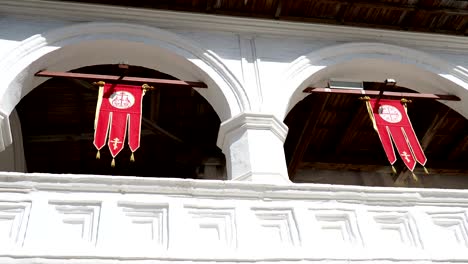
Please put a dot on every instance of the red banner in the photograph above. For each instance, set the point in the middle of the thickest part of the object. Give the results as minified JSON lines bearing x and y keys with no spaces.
{"x":392,"y":124}
{"x":118,"y":106}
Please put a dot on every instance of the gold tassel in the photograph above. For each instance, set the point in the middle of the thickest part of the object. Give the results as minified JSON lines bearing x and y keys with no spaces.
{"x":415,"y":178}
{"x":113,"y":163}
{"x":425,"y":170}
{"x":98,"y":155}
{"x":393,"y":170}
{"x":132,"y":158}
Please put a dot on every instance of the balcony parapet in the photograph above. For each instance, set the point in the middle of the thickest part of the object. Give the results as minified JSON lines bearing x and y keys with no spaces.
{"x":46,"y":218}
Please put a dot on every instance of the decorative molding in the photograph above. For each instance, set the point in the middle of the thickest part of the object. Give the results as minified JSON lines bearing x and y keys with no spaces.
{"x":14,"y":218}
{"x":453,"y":228}
{"x":17,"y":136}
{"x":362,"y":195}
{"x":251,"y":121}
{"x":5,"y":132}
{"x":434,"y":74}
{"x":277,"y":227}
{"x":250,"y":67}
{"x":226,"y":92}
{"x":337,"y":227}
{"x":90,"y":12}
{"x":395,"y":229}
{"x":174,"y":220}
{"x":214,"y":228}
{"x":146,"y":224}
{"x":77,"y":221}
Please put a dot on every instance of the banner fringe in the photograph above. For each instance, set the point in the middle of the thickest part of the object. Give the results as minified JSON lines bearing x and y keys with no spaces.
{"x":113,"y":163}
{"x":98,"y":154}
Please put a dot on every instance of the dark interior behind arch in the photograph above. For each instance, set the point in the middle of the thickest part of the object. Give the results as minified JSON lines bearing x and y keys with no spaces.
{"x":179,"y":129}
{"x":333,"y":133}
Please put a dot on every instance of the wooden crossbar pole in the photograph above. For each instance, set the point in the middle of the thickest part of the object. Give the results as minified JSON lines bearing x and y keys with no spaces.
{"x":446,"y":97}
{"x":120,"y":79}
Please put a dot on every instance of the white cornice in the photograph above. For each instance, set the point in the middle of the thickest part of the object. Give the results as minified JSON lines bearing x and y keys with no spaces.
{"x":12,"y":182}
{"x":168,"y":19}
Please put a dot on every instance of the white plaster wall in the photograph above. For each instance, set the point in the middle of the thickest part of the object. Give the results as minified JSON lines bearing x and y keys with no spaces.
{"x":258,"y":63}
{"x":100,"y":219}
{"x":95,"y":219}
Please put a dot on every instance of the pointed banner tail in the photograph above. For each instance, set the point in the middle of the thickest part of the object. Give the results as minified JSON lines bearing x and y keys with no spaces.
{"x":392,"y":124}
{"x":118,"y":109}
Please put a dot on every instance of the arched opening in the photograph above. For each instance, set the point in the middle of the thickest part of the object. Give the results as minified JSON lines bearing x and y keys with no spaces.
{"x":342,"y":139}
{"x":331,"y":140}
{"x":80,"y":45}
{"x":179,"y":130}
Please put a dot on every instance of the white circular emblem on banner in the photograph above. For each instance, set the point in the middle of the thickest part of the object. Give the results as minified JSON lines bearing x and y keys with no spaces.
{"x":390,"y":113}
{"x":122,"y":100}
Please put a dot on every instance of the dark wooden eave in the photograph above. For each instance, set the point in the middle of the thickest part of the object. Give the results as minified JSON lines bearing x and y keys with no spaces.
{"x":438,"y":16}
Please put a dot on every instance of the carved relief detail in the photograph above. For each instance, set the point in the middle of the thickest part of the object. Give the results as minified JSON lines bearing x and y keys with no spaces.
{"x":337,"y":227}
{"x":278,"y":226}
{"x":77,"y":222}
{"x":145,"y":223}
{"x":395,"y":229}
{"x":216,"y":226}
{"x":13,"y":222}
{"x":452,"y":228}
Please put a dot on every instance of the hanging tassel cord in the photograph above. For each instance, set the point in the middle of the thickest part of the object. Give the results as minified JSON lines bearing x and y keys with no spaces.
{"x":425,"y":170}
{"x":415,"y":178}
{"x":113,"y":163}
{"x":369,"y":110}
{"x":132,"y":158}
{"x":98,"y":155}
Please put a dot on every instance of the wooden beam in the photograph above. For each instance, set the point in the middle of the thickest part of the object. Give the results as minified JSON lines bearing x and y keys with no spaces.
{"x":402,"y":7}
{"x":351,"y":125}
{"x":308,"y":129}
{"x":120,"y":79}
{"x":157,"y":129}
{"x":446,"y":97}
{"x":459,"y":144}
{"x":426,"y":139}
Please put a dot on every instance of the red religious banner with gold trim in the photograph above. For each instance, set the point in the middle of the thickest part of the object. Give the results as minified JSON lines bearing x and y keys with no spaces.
{"x":391,"y":122}
{"x":118,"y":110}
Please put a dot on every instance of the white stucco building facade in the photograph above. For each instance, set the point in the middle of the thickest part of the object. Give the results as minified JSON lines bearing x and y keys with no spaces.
{"x":256,"y":71}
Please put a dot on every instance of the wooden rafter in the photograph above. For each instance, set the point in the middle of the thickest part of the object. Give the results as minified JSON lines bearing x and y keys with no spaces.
{"x":157,"y":129}
{"x":401,"y":7}
{"x":351,"y":125}
{"x":426,"y":139}
{"x":305,"y":138}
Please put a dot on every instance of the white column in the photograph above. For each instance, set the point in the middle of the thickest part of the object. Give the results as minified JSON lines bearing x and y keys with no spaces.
{"x":253,"y":146}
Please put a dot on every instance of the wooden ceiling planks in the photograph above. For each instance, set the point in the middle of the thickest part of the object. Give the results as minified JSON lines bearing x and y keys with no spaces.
{"x":440,"y":16}
{"x":57,"y":124}
{"x":344,"y":135}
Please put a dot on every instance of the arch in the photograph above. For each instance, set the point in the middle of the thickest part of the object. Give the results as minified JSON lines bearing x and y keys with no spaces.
{"x":86,"y":44}
{"x":372,"y":62}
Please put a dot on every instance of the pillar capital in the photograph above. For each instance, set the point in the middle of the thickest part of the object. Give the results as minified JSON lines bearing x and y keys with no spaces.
{"x":251,"y":121}
{"x":253,"y":146}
